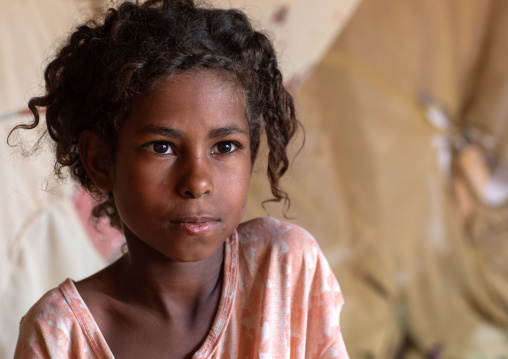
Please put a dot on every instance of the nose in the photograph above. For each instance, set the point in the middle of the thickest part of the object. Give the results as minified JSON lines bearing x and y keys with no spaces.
{"x":195,"y":178}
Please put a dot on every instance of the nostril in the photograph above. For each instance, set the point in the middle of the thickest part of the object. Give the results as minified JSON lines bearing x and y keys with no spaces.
{"x":193,"y":196}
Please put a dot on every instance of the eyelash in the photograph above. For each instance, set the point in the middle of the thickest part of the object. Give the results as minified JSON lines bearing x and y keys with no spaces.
{"x":151,"y":146}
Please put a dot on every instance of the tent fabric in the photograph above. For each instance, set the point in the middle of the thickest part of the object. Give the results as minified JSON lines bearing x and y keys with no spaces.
{"x":301,"y":33}
{"x":389,"y":112}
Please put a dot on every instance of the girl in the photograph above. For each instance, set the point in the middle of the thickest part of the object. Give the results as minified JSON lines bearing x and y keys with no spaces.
{"x":158,"y":111}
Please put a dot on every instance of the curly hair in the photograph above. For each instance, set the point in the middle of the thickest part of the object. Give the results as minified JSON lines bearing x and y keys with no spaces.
{"x":93,"y":79}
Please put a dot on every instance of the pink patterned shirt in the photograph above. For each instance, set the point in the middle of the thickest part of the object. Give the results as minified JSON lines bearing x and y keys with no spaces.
{"x":280,"y":299}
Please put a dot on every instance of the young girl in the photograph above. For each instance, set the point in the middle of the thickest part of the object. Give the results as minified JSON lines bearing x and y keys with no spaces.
{"x":158,"y":111}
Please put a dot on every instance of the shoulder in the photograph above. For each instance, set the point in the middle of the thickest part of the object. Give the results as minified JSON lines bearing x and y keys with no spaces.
{"x":47,"y":326}
{"x":50,"y":308}
{"x":282,"y":263}
{"x":273,"y":233}
{"x":268,"y":241}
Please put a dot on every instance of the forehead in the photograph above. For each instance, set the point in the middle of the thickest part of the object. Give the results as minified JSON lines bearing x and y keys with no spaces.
{"x":205,"y":98}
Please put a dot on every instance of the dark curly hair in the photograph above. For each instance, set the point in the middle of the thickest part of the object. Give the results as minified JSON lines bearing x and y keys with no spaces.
{"x":92,"y":81}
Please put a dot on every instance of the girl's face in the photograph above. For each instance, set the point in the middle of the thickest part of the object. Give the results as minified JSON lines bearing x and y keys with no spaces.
{"x":182,"y":168}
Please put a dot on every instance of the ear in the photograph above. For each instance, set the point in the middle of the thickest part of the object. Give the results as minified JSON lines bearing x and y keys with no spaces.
{"x":96,"y":158}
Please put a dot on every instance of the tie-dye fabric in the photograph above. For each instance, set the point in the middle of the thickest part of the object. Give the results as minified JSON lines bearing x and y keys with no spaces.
{"x":279,"y":300}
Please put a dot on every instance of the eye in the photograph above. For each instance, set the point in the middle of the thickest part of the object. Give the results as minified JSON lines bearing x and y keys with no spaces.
{"x":160,"y":147}
{"x":226,"y":147}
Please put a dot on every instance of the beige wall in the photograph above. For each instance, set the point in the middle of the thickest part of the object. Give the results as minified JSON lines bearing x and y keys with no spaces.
{"x":389,"y":194}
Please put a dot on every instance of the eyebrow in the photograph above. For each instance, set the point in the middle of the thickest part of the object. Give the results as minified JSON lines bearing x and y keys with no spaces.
{"x":172,"y":133}
{"x":161,"y":130}
{"x":225,"y":131}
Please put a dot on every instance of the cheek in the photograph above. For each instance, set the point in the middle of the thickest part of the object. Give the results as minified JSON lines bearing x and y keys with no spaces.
{"x":235,"y":184}
{"x":136,"y":186}
{"x":243,"y":184}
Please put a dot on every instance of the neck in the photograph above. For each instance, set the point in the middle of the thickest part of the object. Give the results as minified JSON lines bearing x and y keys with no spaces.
{"x":170,"y":287}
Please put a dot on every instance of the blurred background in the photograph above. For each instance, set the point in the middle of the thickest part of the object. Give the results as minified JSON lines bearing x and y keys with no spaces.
{"x":403,"y":179}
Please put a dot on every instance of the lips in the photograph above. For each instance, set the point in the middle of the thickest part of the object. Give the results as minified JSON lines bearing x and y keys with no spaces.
{"x":196,"y":225}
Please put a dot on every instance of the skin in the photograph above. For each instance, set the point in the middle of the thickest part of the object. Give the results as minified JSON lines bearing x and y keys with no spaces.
{"x":180,"y":178}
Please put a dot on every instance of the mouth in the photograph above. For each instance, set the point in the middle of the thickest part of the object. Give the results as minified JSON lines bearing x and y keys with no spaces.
{"x":196,"y":225}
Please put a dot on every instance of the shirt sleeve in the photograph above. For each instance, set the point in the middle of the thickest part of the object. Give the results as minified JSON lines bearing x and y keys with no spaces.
{"x":320,"y":295}
{"x":325,"y":304}
{"x":337,"y":350}
{"x":50,"y":330}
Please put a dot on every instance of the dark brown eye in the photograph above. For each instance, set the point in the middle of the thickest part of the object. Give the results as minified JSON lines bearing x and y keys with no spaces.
{"x":162,"y":147}
{"x":226,"y":147}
